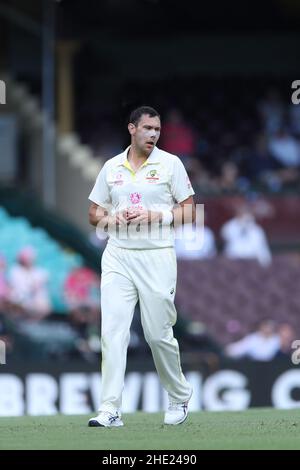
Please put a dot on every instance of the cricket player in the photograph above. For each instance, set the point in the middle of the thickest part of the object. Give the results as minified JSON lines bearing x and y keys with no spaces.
{"x":138,"y":197}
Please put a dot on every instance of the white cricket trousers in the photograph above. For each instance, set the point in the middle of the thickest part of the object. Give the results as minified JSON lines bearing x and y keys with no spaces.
{"x":150,"y":277}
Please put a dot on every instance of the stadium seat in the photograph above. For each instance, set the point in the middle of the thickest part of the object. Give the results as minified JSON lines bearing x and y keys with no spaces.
{"x":16,"y":232}
{"x":220,"y":290}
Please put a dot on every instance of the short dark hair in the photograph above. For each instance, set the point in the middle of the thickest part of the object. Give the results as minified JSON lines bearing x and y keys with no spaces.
{"x":137,"y":113}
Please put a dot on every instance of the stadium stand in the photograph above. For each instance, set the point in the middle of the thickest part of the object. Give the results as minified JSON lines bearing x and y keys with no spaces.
{"x":56,"y":260}
{"x":222,"y":293}
{"x":233,"y":123}
{"x":236,"y":122}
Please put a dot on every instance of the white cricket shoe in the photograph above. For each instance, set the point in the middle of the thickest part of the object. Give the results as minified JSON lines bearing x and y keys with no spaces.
{"x":176,"y":413}
{"x":106,"y":420}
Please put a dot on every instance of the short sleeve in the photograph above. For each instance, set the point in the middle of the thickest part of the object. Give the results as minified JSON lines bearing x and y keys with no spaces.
{"x":100,"y":193}
{"x":181,"y":187}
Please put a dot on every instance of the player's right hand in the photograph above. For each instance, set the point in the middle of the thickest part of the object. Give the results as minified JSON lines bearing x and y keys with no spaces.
{"x":121,"y":218}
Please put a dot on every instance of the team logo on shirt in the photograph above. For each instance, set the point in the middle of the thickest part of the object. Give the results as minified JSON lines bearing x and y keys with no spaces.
{"x":119,"y":179}
{"x":135,"y":198}
{"x":152,"y":176}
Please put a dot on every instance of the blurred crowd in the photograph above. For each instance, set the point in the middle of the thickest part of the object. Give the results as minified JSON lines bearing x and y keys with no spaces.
{"x":30,"y":328}
{"x":229,"y":142}
{"x":26,"y":312}
{"x":241,"y":238}
{"x":268,"y":341}
{"x":27,"y":320}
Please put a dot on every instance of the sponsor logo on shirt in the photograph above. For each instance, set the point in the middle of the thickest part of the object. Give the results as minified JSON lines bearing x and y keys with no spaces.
{"x":119,"y":179}
{"x":152,"y":176}
{"x":135,"y":198}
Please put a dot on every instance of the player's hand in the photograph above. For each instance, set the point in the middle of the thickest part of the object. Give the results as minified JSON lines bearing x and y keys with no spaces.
{"x":118,"y":219}
{"x":121,"y":217}
{"x":143,"y":217}
{"x":131,"y":214}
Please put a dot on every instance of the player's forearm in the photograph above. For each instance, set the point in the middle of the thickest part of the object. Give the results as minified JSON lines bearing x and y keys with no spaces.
{"x":101,"y":222}
{"x":184,"y":215}
{"x":98,"y":217}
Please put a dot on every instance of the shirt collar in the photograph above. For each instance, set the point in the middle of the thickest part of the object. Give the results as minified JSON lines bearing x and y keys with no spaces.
{"x":153,"y":157}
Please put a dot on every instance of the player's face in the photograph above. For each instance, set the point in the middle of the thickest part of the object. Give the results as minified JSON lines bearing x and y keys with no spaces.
{"x":146,"y":133}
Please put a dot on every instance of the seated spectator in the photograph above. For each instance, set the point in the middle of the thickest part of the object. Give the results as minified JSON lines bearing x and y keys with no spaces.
{"x":244,"y":238}
{"x":272,"y":111}
{"x":6,"y":339}
{"x":228,"y":179}
{"x":4,"y":288}
{"x":260,"y":165}
{"x":82,"y":295}
{"x":192,"y":242}
{"x":200,"y":178}
{"x":82,"y":288}
{"x":177,"y":136}
{"x":286,"y":335}
{"x":28,"y":287}
{"x":262,"y":345}
{"x":285,"y":151}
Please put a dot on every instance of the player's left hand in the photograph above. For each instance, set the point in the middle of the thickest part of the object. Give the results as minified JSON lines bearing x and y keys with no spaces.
{"x":143,"y":217}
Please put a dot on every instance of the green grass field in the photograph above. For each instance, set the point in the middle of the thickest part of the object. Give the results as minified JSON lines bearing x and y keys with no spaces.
{"x":251,"y":429}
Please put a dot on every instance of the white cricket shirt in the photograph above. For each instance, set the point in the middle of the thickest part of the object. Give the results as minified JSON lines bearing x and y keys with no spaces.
{"x":157,"y":185}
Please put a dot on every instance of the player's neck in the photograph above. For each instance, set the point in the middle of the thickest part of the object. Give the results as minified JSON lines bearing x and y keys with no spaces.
{"x":135,"y":157}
